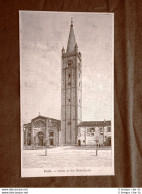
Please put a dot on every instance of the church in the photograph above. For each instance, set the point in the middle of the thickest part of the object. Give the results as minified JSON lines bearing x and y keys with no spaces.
{"x":71,"y":130}
{"x":42,"y":131}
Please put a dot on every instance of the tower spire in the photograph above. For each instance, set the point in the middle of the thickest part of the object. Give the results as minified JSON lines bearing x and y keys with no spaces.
{"x":71,"y":39}
{"x":71,"y":95}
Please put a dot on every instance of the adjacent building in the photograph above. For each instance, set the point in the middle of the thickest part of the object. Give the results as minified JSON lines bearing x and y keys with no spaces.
{"x":94,"y":132}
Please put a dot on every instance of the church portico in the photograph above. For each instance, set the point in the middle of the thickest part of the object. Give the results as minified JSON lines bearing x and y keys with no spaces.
{"x":39,"y":131}
{"x":39,"y":136}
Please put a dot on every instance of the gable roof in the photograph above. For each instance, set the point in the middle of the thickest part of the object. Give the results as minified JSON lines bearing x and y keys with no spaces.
{"x":43,"y":117}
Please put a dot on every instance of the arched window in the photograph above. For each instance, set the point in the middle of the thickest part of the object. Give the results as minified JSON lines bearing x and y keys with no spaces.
{"x":70,"y":63}
{"x":39,"y":124}
{"x":51,"y":133}
{"x":40,"y":135}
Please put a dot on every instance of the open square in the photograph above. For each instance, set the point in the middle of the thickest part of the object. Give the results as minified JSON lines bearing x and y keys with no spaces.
{"x":67,"y":156}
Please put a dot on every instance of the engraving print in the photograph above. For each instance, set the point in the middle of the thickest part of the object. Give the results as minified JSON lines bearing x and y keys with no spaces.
{"x":67,"y":105}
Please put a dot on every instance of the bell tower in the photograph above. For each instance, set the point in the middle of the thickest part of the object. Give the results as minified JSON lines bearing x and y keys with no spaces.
{"x":71,"y":90}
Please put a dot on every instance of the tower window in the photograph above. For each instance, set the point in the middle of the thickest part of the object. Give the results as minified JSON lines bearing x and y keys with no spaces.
{"x":69,"y":123}
{"x":79,"y":100}
{"x":51,"y":133}
{"x":69,"y":75}
{"x":69,"y":63}
{"x":79,"y":75}
{"x":69,"y":83}
{"x":79,"y":83}
{"x":69,"y":100}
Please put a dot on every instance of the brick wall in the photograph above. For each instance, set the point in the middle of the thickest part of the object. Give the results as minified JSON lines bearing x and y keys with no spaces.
{"x":71,"y":93}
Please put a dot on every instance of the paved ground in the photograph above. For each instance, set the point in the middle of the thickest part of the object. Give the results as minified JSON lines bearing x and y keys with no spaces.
{"x":66,"y":157}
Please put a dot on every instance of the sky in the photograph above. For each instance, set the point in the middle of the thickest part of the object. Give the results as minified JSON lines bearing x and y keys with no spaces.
{"x":42,"y":37}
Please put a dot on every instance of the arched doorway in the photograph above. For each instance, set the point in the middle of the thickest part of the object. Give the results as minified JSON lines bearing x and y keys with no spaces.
{"x":79,"y":142}
{"x":51,"y":138}
{"x":40,"y":138}
{"x":51,"y":142}
{"x":39,"y":132}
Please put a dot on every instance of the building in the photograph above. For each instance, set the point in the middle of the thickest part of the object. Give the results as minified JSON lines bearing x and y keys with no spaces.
{"x":71,"y":130}
{"x":71,"y":91}
{"x":94,"y":132}
{"x":42,"y":131}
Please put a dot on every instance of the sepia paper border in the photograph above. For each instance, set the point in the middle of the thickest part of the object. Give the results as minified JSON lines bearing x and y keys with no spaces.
{"x":47,"y":172}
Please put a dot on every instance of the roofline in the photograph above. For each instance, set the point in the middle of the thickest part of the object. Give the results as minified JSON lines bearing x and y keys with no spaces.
{"x":41,"y":118}
{"x":46,"y":118}
{"x":86,"y":123}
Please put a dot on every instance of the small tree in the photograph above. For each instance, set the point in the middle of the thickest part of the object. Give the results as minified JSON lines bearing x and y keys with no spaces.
{"x":97,"y":138}
{"x":34,"y":142}
{"x":46,"y":147}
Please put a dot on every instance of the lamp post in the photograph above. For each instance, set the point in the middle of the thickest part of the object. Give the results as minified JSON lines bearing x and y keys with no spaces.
{"x":103,"y":131}
{"x":46,"y":147}
{"x":59,"y":130}
{"x":96,"y":148}
{"x":97,"y":134}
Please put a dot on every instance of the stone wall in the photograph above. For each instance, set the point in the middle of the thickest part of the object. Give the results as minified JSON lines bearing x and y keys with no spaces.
{"x":70,"y":98}
{"x":88,"y":137}
{"x":43,"y":131}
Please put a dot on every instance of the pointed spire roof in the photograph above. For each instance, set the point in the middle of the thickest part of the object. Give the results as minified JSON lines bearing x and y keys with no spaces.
{"x":71,"y":40}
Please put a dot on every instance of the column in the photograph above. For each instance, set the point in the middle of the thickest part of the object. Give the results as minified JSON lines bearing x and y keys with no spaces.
{"x":47,"y":131}
{"x":32,"y":134}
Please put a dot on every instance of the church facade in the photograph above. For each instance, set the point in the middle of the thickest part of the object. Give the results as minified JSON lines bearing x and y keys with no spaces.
{"x":71,"y":130}
{"x":42,"y":131}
